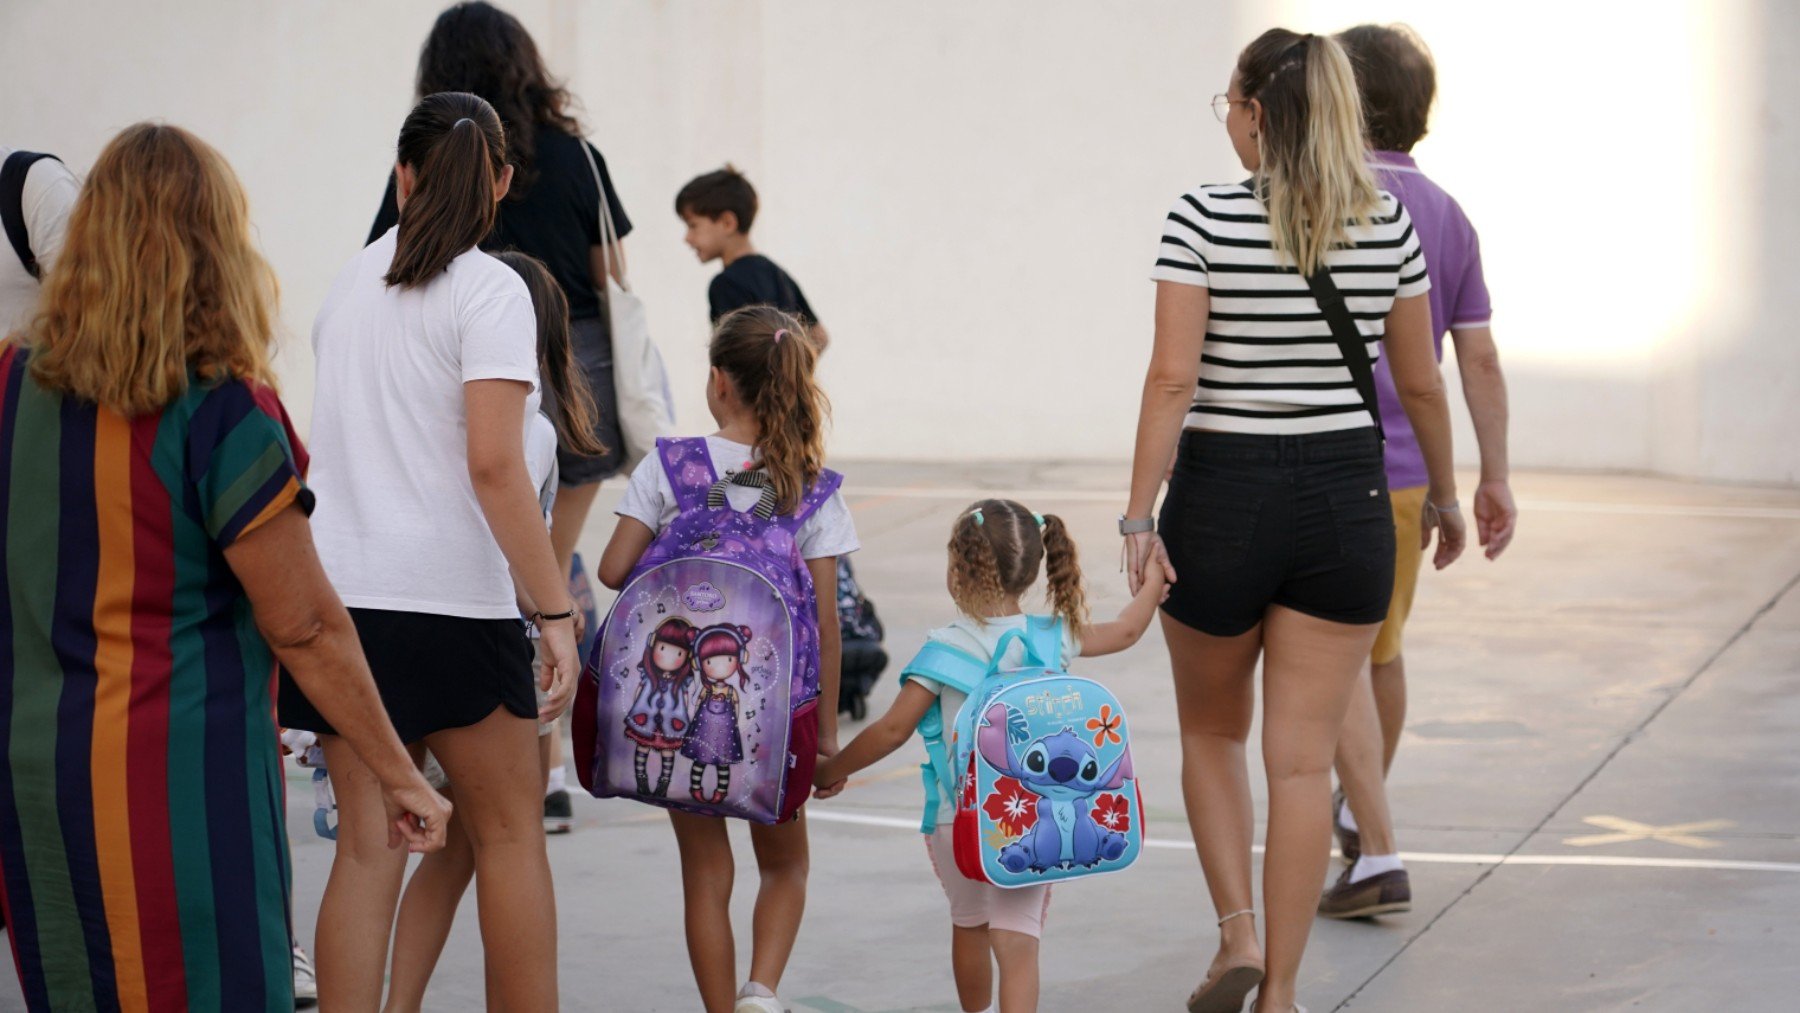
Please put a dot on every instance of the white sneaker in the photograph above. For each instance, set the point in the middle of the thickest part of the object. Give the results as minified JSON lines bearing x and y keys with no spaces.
{"x":306,"y":983}
{"x":749,"y":1002}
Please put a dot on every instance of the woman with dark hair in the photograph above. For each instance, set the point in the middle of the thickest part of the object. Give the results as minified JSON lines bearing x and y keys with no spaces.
{"x":156,"y":562}
{"x":430,"y":528}
{"x":552,"y":212}
{"x":1272,"y":296}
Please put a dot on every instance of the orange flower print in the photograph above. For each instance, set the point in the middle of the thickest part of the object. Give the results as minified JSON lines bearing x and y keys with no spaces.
{"x":1112,"y":812}
{"x":1106,"y":726}
{"x":1011,"y":806}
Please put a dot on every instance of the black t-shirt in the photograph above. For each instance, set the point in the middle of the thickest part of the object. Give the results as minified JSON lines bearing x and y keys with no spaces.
{"x":557,"y":220}
{"x":755,"y":280}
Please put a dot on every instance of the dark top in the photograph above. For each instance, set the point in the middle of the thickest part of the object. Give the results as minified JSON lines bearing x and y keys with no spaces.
{"x":557,"y":220}
{"x":755,"y":280}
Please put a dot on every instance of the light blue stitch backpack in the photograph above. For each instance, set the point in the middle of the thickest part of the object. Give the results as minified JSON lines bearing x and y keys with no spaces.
{"x":1038,"y":760}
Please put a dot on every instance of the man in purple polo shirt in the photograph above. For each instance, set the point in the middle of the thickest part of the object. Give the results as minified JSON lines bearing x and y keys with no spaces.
{"x":1395,"y":75}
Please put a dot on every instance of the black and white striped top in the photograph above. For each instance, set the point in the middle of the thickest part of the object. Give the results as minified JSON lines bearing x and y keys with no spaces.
{"x":1269,"y":364}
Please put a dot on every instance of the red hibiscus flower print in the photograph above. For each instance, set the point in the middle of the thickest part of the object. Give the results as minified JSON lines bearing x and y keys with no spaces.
{"x":1011,"y":806}
{"x":1106,"y":726}
{"x":1112,"y":811}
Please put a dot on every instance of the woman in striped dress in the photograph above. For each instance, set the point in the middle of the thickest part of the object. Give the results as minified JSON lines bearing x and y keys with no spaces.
{"x":1277,"y":522}
{"x":157,"y":563}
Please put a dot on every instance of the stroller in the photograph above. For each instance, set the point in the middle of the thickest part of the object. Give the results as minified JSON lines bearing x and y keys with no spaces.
{"x":863,"y":657}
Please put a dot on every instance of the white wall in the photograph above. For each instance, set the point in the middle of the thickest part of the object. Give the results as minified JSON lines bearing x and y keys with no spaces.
{"x":971,"y":193}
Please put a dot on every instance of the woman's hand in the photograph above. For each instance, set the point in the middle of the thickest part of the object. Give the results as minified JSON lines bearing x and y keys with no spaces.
{"x":417,"y":815}
{"x":1496,"y":517}
{"x":562,"y":665}
{"x":1452,"y":533}
{"x":1140,"y":549}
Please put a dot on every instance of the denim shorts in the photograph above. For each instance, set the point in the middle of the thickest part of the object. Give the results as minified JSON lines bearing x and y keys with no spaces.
{"x":592,"y":345}
{"x":1297,"y":521}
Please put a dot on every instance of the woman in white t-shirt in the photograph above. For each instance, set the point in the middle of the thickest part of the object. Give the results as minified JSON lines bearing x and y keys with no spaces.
{"x":427,"y":374}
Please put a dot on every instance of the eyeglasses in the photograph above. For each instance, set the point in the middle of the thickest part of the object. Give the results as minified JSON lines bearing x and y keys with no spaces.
{"x":1222,"y":103}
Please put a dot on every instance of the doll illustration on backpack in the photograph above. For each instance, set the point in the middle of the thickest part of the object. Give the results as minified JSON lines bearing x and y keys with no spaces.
{"x":658,"y":719}
{"x":713,"y":738}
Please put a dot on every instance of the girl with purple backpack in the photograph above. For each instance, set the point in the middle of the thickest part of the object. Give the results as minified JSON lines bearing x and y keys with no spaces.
{"x":771,"y":415}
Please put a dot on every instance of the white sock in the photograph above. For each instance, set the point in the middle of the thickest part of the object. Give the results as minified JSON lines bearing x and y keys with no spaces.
{"x":558,"y":780}
{"x":755,"y":990}
{"x":1374,"y":865}
{"x":1346,"y":818}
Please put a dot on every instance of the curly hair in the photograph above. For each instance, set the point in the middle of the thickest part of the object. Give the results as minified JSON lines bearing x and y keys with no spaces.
{"x":996,"y":549}
{"x":159,"y":276}
{"x":479,"y":48}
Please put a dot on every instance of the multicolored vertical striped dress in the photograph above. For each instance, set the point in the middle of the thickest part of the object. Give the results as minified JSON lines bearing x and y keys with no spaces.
{"x":143,"y":855}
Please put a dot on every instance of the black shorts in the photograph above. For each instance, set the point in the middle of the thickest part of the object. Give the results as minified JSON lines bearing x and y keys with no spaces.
{"x":1297,"y":521}
{"x":592,"y":341}
{"x":433,"y":672}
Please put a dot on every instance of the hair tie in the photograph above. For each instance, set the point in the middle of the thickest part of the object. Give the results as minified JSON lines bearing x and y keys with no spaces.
{"x":780,"y":334}
{"x":979,"y":520}
{"x":1040,"y":520}
{"x":460,"y":122}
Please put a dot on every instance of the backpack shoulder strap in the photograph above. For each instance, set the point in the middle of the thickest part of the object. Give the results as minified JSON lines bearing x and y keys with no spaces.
{"x":949,"y":667}
{"x":1044,"y":640}
{"x":1350,"y":341}
{"x":12,"y":205}
{"x":688,"y":465}
{"x":827,"y":483}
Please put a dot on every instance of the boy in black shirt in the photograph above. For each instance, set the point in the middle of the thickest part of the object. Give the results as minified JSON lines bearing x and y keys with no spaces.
{"x":718,"y":209}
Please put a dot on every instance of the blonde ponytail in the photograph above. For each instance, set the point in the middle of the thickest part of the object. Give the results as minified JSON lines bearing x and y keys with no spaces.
{"x":1314,"y":175}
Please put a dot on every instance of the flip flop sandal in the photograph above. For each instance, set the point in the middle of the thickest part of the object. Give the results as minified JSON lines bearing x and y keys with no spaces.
{"x":1227,"y":992}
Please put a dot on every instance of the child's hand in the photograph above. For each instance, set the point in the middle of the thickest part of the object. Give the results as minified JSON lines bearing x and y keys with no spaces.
{"x":826,"y":783}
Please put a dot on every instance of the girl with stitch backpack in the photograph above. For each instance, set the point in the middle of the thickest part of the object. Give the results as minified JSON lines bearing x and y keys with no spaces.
{"x":997,"y":549}
{"x":712,"y":687}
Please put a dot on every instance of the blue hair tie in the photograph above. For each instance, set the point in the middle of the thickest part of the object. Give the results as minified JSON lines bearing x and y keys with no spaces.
{"x":1040,"y":520}
{"x":979,"y":520}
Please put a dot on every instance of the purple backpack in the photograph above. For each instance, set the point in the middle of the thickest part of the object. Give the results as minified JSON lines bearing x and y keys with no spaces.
{"x":701,"y":692}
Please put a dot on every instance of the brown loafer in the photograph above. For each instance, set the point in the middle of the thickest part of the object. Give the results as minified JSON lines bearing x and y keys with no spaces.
{"x":1226,"y":992}
{"x":1349,"y":842}
{"x":1381,"y":894}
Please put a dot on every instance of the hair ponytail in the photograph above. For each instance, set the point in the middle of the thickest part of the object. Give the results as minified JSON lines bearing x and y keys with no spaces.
{"x":1062,"y":570}
{"x":770,"y":358}
{"x":456,"y":148}
{"x":1314,"y":175}
{"x":574,"y":413}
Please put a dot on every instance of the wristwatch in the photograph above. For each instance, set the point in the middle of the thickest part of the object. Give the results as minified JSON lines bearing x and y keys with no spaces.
{"x":1137,"y":526}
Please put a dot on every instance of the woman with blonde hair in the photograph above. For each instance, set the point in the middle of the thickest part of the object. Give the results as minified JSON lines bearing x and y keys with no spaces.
{"x":158,"y":563}
{"x":1273,"y":296}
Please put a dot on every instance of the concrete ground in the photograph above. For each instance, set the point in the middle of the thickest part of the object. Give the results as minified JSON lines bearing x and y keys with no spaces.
{"x":1598,"y":792}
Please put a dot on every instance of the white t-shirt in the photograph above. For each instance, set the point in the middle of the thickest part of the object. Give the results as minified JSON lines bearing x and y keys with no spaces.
{"x":651,"y":499}
{"x":50,"y":191}
{"x":540,"y":459}
{"x":972,"y":636}
{"x":397,"y":524}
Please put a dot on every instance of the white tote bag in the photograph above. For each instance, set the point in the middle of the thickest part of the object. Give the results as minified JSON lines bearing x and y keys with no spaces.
{"x":640,"y":381}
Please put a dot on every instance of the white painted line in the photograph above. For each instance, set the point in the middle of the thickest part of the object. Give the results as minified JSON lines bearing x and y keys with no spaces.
{"x":860,"y":492}
{"x":822,"y":815}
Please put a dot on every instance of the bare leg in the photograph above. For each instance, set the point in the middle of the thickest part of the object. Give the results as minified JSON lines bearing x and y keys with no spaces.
{"x":972,"y":961}
{"x":1390,"y":703}
{"x":706,"y":877}
{"x":427,"y":910}
{"x":358,"y":907}
{"x":781,"y":857}
{"x":567,"y":517}
{"x":493,"y":764}
{"x":1017,"y":954}
{"x":1215,"y":700}
{"x":547,"y":753}
{"x":1359,"y":768}
{"x":1309,"y":669}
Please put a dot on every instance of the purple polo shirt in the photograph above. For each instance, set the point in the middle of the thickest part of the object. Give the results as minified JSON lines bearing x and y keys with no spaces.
{"x":1459,"y":295}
